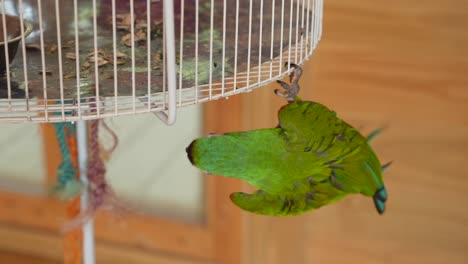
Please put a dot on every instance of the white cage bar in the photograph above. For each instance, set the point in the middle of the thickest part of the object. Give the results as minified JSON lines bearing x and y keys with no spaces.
{"x":80,"y":60}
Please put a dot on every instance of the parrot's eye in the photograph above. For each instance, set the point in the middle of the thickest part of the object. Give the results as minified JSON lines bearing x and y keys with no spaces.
{"x":215,"y":64}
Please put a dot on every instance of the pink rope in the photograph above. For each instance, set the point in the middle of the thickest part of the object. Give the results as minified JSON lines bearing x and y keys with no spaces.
{"x":99,"y":188}
{"x":113,"y":135}
{"x":101,"y":193}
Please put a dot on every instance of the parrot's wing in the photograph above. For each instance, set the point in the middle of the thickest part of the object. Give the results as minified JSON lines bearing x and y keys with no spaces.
{"x":312,"y":126}
{"x":355,"y":168}
{"x":312,"y":197}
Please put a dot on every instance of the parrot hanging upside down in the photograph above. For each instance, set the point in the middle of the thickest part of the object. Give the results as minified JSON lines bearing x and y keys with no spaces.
{"x":311,"y":159}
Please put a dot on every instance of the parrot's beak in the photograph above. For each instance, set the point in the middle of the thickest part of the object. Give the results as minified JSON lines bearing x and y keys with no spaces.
{"x":189,"y":151}
{"x":380,"y":197}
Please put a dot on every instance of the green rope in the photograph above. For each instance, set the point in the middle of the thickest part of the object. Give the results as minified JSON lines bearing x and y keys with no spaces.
{"x":67,"y":186}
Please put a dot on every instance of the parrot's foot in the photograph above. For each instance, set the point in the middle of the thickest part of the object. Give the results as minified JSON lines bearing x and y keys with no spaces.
{"x":290,"y":91}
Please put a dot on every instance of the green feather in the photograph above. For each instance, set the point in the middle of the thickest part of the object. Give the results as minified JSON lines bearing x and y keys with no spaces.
{"x":311,"y":159}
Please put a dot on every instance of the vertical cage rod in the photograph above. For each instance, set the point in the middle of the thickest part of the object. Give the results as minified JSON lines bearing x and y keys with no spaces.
{"x":132,"y":33}
{"x":96,"y":60}
{"x":88,"y":227}
{"x":249,"y":43}
{"x":281,"y":37}
{"x":223,"y":63}
{"x":181,"y":49}
{"x":236,"y":41}
{"x":290,"y":34}
{"x":260,"y":45}
{"x":148,"y":54}
{"x":77,"y":52}
{"x":43,"y":63}
{"x":60,"y":61}
{"x":211,"y":50}
{"x":7,"y":55}
{"x":114,"y":48}
{"x":23,"y":49}
{"x":169,"y":117}
{"x":272,"y":37}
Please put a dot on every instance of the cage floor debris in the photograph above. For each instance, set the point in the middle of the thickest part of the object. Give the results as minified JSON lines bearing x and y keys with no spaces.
{"x":248,"y":39}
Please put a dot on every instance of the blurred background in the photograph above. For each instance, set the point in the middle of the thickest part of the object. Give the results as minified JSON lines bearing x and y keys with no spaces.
{"x":400,"y":65}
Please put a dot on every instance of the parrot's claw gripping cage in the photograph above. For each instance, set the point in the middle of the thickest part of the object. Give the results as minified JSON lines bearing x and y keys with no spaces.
{"x":87,"y":59}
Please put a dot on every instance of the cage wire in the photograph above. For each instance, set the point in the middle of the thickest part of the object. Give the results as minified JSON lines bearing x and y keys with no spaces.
{"x":87,"y":59}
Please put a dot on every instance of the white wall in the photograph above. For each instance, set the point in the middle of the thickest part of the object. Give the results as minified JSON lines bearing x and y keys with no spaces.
{"x":22,"y":165}
{"x":150,"y":168}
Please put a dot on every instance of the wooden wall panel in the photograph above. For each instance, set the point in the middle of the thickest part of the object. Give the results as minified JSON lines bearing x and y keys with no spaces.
{"x":402,"y":65}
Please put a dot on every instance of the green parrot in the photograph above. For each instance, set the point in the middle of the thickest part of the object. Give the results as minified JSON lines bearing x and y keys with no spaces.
{"x":311,"y":159}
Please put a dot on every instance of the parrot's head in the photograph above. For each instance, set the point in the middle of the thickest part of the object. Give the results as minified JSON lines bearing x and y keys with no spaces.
{"x":380,"y":197}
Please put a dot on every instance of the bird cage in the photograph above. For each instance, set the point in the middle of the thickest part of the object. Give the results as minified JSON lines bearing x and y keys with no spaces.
{"x":89,"y":59}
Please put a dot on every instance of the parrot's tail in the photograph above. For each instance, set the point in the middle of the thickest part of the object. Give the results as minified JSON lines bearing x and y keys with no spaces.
{"x":380,"y":197}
